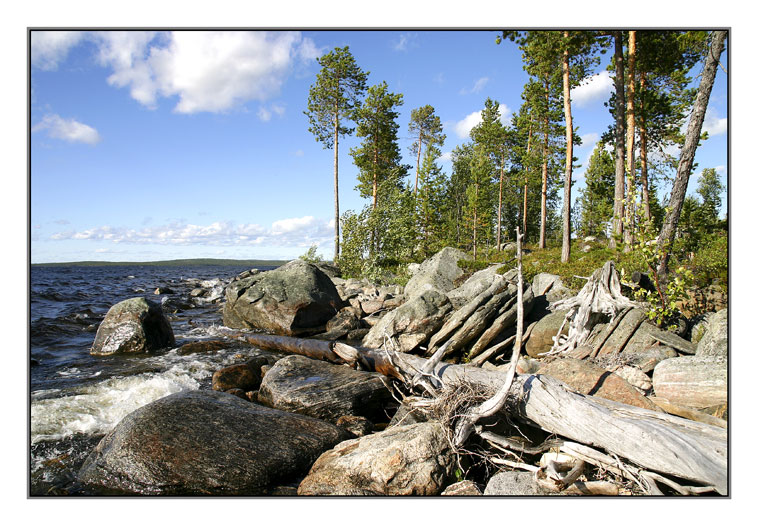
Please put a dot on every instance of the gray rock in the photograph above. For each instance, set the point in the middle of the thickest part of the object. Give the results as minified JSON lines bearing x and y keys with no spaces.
{"x":206,"y":442}
{"x":464,"y":487}
{"x":513,"y":483}
{"x":412,"y":323}
{"x":436,"y":273}
{"x":648,"y":335}
{"x":294,"y":299}
{"x":322,"y":390}
{"x":402,"y":460}
{"x":347,"y":319}
{"x":694,"y":381}
{"x":133,"y":326}
{"x":543,"y":282}
{"x":645,"y":359}
{"x":715,"y":340}
{"x":478,"y":283}
{"x":541,"y":339}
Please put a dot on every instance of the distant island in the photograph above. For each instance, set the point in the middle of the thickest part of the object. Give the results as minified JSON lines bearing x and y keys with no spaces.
{"x":171,"y":263}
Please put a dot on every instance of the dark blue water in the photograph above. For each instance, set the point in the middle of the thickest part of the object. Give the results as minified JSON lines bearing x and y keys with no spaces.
{"x":76,"y":398}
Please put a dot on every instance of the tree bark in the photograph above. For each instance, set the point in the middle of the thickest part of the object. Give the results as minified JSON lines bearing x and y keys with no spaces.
{"x":618,"y":194}
{"x":630,"y":168}
{"x":688,"y":151}
{"x":566,"y":250}
{"x":543,"y":209}
{"x":336,"y":188}
{"x":500,"y":201}
{"x":643,"y":149}
{"x":418,"y":163}
{"x":526,"y":177}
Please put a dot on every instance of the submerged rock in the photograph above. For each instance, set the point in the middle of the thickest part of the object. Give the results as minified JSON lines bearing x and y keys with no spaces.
{"x":402,"y":460}
{"x":295,"y":299}
{"x":206,"y":443}
{"x":133,"y":326}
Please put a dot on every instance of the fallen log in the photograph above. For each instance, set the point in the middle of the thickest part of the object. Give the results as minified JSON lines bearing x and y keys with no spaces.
{"x":656,"y":441}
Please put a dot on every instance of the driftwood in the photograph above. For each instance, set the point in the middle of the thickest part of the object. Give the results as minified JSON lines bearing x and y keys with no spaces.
{"x":601,"y":295}
{"x":655,"y":441}
{"x":502,"y":322}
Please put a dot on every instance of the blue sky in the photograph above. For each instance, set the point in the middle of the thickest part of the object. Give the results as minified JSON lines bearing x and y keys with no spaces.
{"x":150,"y":146}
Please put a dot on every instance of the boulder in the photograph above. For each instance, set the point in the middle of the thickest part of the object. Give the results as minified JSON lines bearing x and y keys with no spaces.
{"x":293,"y":300}
{"x":464,"y":487}
{"x":715,"y":339}
{"x":478,"y":283}
{"x":412,"y":323}
{"x":357,"y":425}
{"x":345,"y":320}
{"x":695,"y":381}
{"x":513,"y":483}
{"x":589,"y":379}
{"x":206,"y":443}
{"x":436,"y":273}
{"x":635,"y":377}
{"x":322,"y":390}
{"x":403,"y":460}
{"x":241,"y":376}
{"x":133,"y":326}
{"x":648,"y":335}
{"x":541,"y":339}
{"x":543,"y":282}
{"x":647,"y":358}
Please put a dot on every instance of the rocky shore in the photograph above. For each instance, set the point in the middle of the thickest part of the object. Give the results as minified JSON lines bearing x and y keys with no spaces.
{"x":299,"y":423}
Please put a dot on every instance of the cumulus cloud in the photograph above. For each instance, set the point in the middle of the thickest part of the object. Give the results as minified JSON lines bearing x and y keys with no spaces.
{"x":477,"y":87}
{"x":596,"y":87}
{"x":206,"y":71}
{"x":266,"y":112}
{"x":50,"y":48}
{"x":69,"y":130}
{"x":464,"y":126}
{"x":295,"y":232}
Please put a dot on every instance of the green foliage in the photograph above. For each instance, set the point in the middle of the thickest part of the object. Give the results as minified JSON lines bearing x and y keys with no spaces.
{"x":335,"y":96}
{"x":311,"y":256}
{"x":596,"y":199}
{"x":711,"y":262}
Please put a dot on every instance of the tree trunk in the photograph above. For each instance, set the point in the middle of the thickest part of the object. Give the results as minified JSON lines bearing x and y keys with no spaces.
{"x":336,"y":189}
{"x":543,"y":209}
{"x":688,"y":151}
{"x":630,"y":168}
{"x":643,"y":149}
{"x":418,"y":164}
{"x":476,"y":219}
{"x":566,"y":250}
{"x":618,"y":194}
{"x":500,"y":201}
{"x":526,"y":177}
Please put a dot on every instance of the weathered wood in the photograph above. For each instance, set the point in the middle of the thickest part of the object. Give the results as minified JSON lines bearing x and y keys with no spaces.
{"x":657,"y":441}
{"x":601,"y":295}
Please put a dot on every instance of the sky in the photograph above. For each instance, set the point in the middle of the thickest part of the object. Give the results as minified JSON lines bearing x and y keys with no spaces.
{"x":154,"y":145}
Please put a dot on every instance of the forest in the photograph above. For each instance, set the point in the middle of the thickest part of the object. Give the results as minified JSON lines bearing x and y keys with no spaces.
{"x":520,"y":175}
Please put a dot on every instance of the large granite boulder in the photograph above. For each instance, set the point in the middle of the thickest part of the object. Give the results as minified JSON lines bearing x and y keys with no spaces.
{"x":133,"y":326}
{"x":694,"y":381}
{"x":322,"y":390}
{"x":206,"y":443}
{"x":541,"y":338}
{"x":478,"y":283}
{"x":715,"y":339}
{"x":295,"y":299}
{"x":403,"y":460}
{"x":439,"y":273}
{"x":412,"y":323}
{"x":586,"y":378}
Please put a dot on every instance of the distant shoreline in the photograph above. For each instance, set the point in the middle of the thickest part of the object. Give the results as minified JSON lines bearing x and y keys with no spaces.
{"x":170,"y":263}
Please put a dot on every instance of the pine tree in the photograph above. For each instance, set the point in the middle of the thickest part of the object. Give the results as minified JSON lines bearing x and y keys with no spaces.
{"x":426,"y":129}
{"x":596,"y":199}
{"x":333,"y":100}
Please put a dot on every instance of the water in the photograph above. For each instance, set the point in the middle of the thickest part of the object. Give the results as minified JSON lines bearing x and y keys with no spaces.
{"x":76,"y":398}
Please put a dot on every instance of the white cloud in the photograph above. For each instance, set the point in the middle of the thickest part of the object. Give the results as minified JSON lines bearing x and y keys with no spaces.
{"x":69,"y":130}
{"x":50,"y":48}
{"x":266,"y":112}
{"x":294,"y":232}
{"x":405,"y":41}
{"x":713,"y":124}
{"x":213,"y":71}
{"x":463,"y":127}
{"x":477,"y":87}
{"x":596,"y":87}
